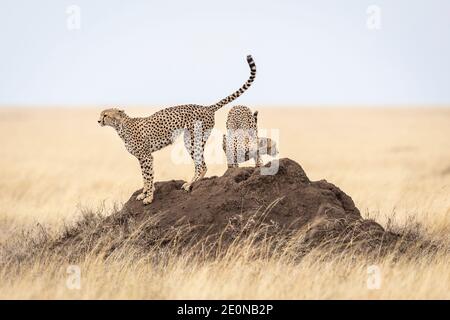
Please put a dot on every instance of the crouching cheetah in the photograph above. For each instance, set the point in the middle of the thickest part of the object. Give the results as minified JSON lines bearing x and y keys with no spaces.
{"x":241,"y":143}
{"x":143,"y":136}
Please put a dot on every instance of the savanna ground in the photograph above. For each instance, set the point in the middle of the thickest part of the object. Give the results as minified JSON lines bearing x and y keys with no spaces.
{"x":394,"y":163}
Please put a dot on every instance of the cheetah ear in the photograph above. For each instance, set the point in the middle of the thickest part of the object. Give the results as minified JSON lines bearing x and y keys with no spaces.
{"x":121,"y":111}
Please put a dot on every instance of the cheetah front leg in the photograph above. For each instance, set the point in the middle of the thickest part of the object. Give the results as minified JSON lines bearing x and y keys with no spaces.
{"x":258,"y":161}
{"x":255,"y":150}
{"x":147,"y":175}
{"x":142,"y":195}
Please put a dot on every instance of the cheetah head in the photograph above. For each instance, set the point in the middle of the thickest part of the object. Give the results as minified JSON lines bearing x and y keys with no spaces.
{"x":111,"y":117}
{"x":267,"y":146}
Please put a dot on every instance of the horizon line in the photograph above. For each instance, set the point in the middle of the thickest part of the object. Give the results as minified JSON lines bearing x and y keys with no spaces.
{"x":269,"y":106}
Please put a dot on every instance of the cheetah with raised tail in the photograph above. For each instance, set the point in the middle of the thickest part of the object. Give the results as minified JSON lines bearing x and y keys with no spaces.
{"x":143,"y":136}
{"x":241,"y":143}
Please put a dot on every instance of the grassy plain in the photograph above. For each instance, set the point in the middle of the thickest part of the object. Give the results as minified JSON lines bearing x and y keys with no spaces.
{"x":393,"y":162}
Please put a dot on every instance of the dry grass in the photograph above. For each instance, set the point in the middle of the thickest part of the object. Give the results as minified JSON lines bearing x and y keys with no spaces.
{"x":395,"y":163}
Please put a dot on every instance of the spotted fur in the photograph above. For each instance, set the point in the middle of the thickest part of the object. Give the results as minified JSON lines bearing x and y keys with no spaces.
{"x":241,"y":143}
{"x":143,"y":136}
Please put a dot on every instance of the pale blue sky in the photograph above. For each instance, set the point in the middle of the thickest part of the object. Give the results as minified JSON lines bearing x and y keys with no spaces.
{"x":174,"y":52}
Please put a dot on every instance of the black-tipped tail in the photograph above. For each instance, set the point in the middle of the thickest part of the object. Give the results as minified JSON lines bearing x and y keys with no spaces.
{"x":236,"y":94}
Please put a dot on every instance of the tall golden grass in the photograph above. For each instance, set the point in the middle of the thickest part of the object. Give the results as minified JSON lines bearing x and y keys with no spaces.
{"x":395,"y":163}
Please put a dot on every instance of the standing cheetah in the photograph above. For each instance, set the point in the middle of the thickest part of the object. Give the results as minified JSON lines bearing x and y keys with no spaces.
{"x":241,"y":143}
{"x":143,"y":136}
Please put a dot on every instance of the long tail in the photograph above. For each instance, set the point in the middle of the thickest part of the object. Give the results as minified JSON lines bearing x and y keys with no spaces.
{"x":241,"y":90}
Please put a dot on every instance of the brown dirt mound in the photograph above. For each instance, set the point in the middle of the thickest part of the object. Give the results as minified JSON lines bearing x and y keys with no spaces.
{"x":220,"y":210}
{"x":286,"y":200}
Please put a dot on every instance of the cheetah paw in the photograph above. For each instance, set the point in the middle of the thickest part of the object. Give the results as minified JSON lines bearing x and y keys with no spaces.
{"x":141,"y":196}
{"x":148,"y":200}
{"x":187,"y":186}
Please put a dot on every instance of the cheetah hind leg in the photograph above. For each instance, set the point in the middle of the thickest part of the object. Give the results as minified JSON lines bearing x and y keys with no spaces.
{"x":141,"y":196}
{"x":148,"y":199}
{"x":196,"y":150}
{"x":200,"y":171}
{"x":187,"y":186}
